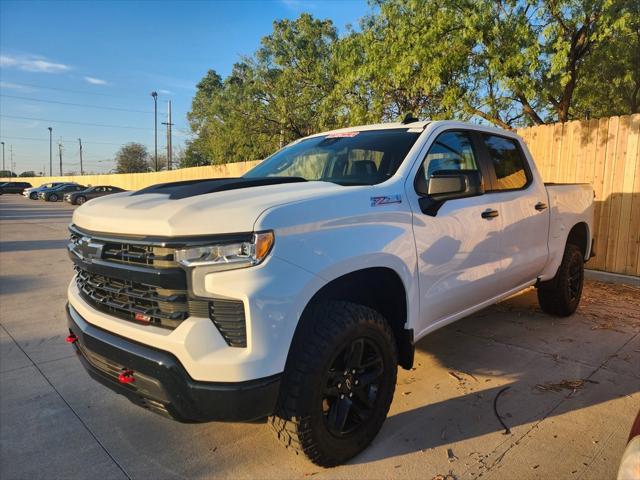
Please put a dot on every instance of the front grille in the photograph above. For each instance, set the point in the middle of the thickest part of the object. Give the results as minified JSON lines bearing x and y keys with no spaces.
{"x":136,"y":301}
{"x":142,"y":299}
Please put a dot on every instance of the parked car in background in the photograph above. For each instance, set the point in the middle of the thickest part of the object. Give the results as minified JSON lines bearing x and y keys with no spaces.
{"x":32,"y":192}
{"x":14,"y":187}
{"x":56,"y":194}
{"x":630,"y":464}
{"x":78,"y":198}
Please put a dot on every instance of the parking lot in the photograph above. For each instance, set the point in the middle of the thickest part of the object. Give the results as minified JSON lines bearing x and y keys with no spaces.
{"x":573,"y":390}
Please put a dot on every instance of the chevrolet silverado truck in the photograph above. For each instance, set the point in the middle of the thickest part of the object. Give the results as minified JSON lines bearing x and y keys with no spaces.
{"x":295,"y":291}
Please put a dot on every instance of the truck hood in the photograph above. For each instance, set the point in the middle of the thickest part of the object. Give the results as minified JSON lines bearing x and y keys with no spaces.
{"x":149,"y":212}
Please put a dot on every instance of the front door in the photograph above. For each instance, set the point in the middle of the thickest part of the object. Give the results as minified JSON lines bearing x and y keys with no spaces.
{"x":459,"y":257}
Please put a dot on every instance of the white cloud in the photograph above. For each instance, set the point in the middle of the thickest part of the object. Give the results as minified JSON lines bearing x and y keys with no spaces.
{"x":165,"y":92}
{"x":33,"y":64}
{"x":14,"y":86}
{"x":96,"y":81}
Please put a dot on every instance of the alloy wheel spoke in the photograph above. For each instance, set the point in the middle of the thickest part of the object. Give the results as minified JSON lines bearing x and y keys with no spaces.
{"x":354,"y":356}
{"x":338,"y":414}
{"x":371,"y":376}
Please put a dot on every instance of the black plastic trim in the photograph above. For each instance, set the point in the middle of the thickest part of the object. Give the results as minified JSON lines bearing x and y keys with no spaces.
{"x":164,"y":386}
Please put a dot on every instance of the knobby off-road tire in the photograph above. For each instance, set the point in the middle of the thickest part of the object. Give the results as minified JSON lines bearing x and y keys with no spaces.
{"x":560,"y":296}
{"x":338,"y":383}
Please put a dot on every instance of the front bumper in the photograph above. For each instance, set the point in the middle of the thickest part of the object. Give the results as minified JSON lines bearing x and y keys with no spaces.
{"x":162,"y":384}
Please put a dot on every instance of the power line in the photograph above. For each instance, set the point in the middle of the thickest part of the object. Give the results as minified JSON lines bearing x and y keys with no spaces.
{"x":84,"y":105}
{"x":84,"y":141}
{"x":128,"y":127}
{"x":84,"y":92}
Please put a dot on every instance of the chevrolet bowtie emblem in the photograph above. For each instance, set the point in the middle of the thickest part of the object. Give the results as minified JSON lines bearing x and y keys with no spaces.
{"x":90,"y":249}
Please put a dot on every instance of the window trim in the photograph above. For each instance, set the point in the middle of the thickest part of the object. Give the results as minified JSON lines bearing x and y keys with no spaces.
{"x":474,"y":146}
{"x":486,"y":159}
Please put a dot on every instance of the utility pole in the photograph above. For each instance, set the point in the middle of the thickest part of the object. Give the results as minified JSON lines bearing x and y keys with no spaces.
{"x":155,"y":126}
{"x":11,"y":164}
{"x":81,"y":169}
{"x":2,"y":155}
{"x":169,"y":145}
{"x":60,"y":152}
{"x":50,"y":152}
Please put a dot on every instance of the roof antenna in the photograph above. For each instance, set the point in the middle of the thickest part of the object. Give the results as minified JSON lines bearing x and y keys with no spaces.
{"x":409,"y":118}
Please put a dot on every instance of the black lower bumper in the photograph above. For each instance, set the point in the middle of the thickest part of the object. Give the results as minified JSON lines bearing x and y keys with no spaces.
{"x":161,"y":384}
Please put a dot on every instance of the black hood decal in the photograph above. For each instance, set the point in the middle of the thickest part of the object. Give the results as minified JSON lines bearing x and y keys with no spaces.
{"x":191,"y":188}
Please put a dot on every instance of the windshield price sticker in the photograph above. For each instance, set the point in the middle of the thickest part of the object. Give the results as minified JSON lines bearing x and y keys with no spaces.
{"x":342,"y":135}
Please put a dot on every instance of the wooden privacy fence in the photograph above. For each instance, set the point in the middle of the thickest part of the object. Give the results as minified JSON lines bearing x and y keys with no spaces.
{"x":603,"y":152}
{"x":136,"y":181}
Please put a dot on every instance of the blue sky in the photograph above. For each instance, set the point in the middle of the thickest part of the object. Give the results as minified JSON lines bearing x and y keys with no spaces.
{"x":61,"y":60}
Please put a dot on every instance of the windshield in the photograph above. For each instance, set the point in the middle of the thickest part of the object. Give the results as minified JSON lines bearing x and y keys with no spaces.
{"x":348,"y":158}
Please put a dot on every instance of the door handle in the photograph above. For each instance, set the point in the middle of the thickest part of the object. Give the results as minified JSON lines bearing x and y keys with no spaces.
{"x":540,"y":206}
{"x":489,"y":214}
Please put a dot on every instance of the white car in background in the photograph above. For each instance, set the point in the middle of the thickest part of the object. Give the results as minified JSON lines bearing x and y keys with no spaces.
{"x":32,"y":193}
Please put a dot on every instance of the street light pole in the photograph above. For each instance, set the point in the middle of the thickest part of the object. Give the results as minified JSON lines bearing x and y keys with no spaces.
{"x":60,"y":152}
{"x":50,"y":152}
{"x":2,"y":155}
{"x":155,"y":126}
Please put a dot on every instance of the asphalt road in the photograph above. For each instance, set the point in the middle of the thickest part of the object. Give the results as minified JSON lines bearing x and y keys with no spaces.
{"x":55,"y":422}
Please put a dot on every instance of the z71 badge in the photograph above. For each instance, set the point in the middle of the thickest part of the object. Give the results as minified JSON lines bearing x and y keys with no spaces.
{"x":386,"y":200}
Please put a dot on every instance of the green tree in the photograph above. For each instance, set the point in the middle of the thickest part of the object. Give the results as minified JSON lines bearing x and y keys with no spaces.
{"x":132,"y":158}
{"x":271,"y":98}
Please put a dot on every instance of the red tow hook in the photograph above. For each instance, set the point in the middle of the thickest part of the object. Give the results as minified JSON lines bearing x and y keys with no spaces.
{"x":71,"y":338}
{"x":126,"y":376}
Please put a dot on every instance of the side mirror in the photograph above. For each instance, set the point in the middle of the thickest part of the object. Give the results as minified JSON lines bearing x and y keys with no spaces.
{"x":445,"y":185}
{"x":449,"y":184}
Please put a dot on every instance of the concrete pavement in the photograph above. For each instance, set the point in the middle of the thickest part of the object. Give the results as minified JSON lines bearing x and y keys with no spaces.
{"x":55,"y":422}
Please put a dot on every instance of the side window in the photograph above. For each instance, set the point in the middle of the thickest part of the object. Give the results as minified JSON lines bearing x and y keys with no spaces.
{"x":507,"y":162}
{"x":450,"y":151}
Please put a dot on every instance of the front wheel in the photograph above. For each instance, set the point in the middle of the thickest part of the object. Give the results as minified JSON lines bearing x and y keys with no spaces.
{"x":80,"y":200}
{"x":33,"y":196}
{"x":561,"y":295}
{"x":338,"y":383}
{"x":53,"y":197}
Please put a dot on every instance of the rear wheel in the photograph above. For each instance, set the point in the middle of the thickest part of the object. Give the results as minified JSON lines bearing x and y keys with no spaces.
{"x":561,"y":295}
{"x":338,"y":383}
{"x":53,"y":197}
{"x":80,"y":200}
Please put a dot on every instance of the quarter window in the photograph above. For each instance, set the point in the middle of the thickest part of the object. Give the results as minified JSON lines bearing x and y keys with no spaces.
{"x":507,"y":162}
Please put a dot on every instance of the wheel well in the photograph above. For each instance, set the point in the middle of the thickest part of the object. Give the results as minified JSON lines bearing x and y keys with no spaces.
{"x":579,"y":236}
{"x":381,"y":289}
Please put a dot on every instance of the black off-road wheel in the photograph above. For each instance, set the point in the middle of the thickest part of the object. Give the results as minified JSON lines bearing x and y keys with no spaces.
{"x":560,"y":296}
{"x":338,"y":383}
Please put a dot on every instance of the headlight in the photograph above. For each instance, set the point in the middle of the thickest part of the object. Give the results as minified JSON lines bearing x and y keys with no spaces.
{"x":228,"y":256}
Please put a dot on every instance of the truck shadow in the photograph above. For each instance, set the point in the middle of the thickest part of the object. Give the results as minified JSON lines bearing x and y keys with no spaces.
{"x":463,"y":367}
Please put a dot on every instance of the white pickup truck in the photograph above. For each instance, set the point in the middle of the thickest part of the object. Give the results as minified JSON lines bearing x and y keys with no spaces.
{"x":295,"y":291}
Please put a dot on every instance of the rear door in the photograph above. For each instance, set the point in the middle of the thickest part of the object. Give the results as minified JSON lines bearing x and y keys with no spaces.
{"x":521,"y":200}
